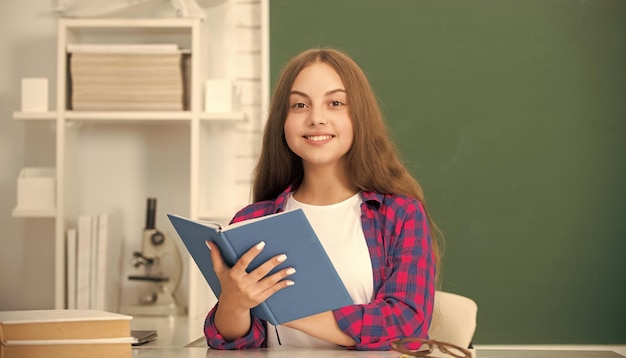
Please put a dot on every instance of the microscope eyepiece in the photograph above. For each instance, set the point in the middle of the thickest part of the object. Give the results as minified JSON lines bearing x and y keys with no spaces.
{"x":151,"y":214}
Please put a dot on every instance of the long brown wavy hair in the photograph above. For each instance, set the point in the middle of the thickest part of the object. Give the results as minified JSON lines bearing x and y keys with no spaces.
{"x":373,"y":163}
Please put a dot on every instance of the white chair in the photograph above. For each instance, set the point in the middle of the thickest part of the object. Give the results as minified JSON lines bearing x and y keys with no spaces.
{"x":454,"y":319}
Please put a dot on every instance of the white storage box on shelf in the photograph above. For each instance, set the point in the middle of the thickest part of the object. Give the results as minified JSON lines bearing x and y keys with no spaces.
{"x":221,"y":95}
{"x":34,"y":95}
{"x":36,"y":192}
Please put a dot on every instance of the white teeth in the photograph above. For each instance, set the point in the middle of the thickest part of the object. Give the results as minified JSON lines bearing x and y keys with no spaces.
{"x":318,"y":138}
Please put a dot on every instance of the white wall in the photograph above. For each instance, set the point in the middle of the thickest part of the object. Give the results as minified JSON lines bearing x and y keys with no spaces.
{"x":28,"y":48}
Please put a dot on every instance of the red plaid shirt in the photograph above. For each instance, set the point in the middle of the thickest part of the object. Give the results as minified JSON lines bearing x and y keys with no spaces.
{"x":398,"y":237}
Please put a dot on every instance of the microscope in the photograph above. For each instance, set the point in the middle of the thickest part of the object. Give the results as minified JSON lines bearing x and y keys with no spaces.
{"x":159,"y":255}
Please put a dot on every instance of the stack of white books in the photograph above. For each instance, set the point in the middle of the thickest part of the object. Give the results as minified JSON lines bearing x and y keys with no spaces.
{"x":93,"y":269}
{"x":128,"y":77}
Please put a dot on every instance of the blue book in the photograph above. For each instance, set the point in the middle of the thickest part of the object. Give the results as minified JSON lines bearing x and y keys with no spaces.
{"x":318,"y":287}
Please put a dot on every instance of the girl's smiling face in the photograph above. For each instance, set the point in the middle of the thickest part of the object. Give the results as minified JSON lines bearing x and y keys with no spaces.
{"x":318,"y":127}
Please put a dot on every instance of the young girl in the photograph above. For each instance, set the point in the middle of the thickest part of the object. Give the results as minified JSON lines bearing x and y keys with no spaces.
{"x":326,"y":150}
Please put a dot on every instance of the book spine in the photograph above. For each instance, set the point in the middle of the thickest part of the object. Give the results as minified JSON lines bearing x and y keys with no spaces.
{"x":228,"y":252}
{"x":93,"y":272}
{"x":71,"y":267}
{"x":83,"y":264}
{"x":101,"y":262}
{"x":230,"y":256}
{"x":267,"y":313}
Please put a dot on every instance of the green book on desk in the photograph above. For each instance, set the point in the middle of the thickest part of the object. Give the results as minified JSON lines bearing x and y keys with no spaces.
{"x":318,"y":287}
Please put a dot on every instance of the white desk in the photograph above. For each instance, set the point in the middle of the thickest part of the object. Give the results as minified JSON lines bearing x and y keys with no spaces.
{"x":517,"y":353}
{"x":177,"y":340}
{"x":147,"y":352}
{"x":259,"y":353}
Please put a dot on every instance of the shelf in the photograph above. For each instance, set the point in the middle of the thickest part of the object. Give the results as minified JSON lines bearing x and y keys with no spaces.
{"x":35,"y":116}
{"x":117,"y":116}
{"x":152,"y":116}
{"x":28,"y":213}
{"x":128,"y":23}
{"x":139,"y":116}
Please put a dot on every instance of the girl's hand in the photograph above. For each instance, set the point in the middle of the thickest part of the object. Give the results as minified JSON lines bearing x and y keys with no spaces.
{"x":242,"y":290}
{"x":245,"y":289}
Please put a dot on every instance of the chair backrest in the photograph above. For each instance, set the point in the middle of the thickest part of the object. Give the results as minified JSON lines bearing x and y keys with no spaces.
{"x":454,"y":319}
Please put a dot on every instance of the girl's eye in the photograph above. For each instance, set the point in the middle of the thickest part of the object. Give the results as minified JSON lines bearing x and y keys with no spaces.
{"x":298,"y":105}
{"x":336,"y":103}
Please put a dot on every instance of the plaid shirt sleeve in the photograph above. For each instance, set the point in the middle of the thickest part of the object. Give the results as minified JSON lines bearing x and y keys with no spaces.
{"x":398,"y":238}
{"x":256,"y":337}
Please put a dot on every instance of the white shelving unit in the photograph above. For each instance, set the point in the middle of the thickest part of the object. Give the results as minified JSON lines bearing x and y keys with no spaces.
{"x":207,"y":132}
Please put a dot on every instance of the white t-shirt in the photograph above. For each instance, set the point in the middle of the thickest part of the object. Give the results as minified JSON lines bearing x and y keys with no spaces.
{"x":339,"y":228}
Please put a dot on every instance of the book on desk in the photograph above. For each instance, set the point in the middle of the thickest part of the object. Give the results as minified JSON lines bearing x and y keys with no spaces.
{"x":318,"y":287}
{"x":64,"y":333}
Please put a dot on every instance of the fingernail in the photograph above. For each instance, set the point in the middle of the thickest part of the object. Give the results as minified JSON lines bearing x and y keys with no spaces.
{"x":291,"y":271}
{"x":260,"y":245}
{"x":282,"y":258}
{"x":207,"y":244}
{"x":290,"y":283}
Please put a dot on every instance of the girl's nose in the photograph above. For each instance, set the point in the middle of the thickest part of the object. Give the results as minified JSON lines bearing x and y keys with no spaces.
{"x":316,"y":117}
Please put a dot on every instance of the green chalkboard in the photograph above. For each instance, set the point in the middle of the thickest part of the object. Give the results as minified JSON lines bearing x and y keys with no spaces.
{"x":512,"y":114}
